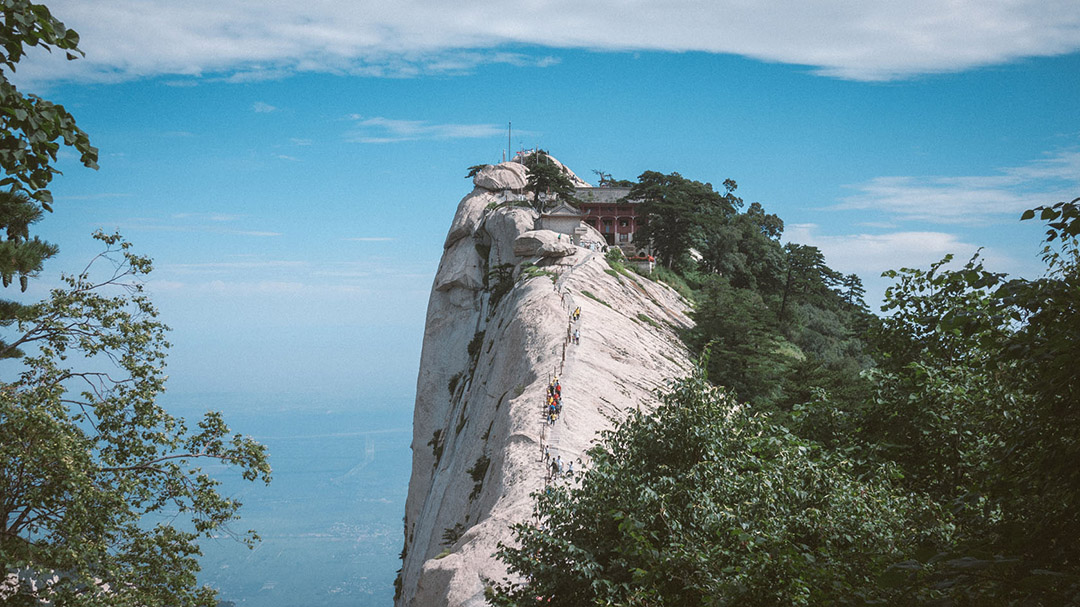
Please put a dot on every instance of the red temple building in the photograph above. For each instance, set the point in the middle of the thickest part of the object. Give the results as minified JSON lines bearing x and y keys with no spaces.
{"x":612,"y":214}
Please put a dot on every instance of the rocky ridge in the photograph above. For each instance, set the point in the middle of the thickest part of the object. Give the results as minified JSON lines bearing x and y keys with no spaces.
{"x":497,"y":330}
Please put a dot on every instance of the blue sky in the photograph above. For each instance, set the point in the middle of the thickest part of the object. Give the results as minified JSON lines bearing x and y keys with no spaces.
{"x":293,"y":167}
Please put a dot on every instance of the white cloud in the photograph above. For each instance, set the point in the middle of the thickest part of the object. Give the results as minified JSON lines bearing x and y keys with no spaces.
{"x":228,"y":266}
{"x":255,"y":39}
{"x":875,"y":253}
{"x":218,"y":217}
{"x":976,"y":199}
{"x":262,"y":108}
{"x":256,"y":233}
{"x":343,"y":274}
{"x":151,"y":227}
{"x":160,"y":286}
{"x":868,"y":255}
{"x":387,"y":130}
{"x":97,"y":196}
{"x":248,"y":288}
{"x":267,"y":290}
{"x":277,"y":277}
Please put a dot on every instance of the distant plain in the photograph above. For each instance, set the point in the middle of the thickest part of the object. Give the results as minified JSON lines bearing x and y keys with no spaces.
{"x":330,"y":521}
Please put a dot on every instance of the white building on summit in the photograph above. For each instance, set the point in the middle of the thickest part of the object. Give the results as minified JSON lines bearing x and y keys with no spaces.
{"x":564,"y":219}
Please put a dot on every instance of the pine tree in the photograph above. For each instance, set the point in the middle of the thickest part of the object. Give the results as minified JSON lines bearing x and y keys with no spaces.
{"x":31,"y":130}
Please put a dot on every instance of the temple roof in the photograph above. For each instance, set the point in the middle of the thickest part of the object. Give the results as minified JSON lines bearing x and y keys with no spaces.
{"x":563,"y":210}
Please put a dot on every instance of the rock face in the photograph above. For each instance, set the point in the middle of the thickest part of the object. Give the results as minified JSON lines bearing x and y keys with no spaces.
{"x":543,"y":243}
{"x":505,"y":176}
{"x":497,"y":329}
{"x":574,"y":179}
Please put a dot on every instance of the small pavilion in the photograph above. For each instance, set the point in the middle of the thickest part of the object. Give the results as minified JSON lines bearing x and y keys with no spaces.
{"x":564,"y":219}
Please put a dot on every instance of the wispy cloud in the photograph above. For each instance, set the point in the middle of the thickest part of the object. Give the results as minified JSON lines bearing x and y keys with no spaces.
{"x":158,"y":227}
{"x":243,"y":40}
{"x":260,"y":107}
{"x":273,"y":288}
{"x":875,"y":253}
{"x":972,"y":199}
{"x":229,"y":266}
{"x":249,"y":274}
{"x":256,"y":233}
{"x":868,"y":255}
{"x":209,"y":223}
{"x":387,"y":130}
{"x":216,"y":217}
{"x":97,"y":196}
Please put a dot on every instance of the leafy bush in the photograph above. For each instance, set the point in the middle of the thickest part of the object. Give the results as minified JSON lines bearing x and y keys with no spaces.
{"x":475,"y":344}
{"x":704,"y":501}
{"x":436,"y":445}
{"x":478,"y":472}
{"x":673,"y":280}
{"x":503,"y":277}
{"x":595,"y":298}
{"x":454,"y":380}
{"x":529,"y":270}
{"x":645,"y":319}
{"x":451,"y":535}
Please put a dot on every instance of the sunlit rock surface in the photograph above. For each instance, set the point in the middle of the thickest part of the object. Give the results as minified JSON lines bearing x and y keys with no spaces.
{"x":505,"y":176}
{"x":543,"y":243}
{"x":496,"y":332}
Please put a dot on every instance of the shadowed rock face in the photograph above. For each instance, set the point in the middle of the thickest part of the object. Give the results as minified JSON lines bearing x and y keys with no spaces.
{"x":495,"y":334}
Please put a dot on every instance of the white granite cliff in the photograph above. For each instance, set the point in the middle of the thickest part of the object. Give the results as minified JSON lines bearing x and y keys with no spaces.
{"x":497,"y":328}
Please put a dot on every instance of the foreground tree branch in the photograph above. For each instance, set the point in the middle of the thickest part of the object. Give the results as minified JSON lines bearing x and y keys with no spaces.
{"x":79,"y":471}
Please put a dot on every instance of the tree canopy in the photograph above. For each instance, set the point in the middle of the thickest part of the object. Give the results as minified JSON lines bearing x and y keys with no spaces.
{"x":31,"y":131}
{"x":678,"y":212}
{"x":775,"y":314}
{"x":977,"y":401}
{"x":20,"y":255}
{"x":546,"y":181}
{"x":102,"y":497}
{"x":96,"y":478}
{"x":32,"y":128}
{"x":607,"y":181}
{"x":926,"y":456}
{"x":706,"y":502}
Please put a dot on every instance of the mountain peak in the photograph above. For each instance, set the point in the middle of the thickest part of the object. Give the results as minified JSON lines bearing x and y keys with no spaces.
{"x":500,"y":326}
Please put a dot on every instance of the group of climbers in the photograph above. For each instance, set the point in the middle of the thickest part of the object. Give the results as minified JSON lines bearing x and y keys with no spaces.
{"x":553,"y":407}
{"x":555,"y":465}
{"x":573,"y":333}
{"x":554,"y":400}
